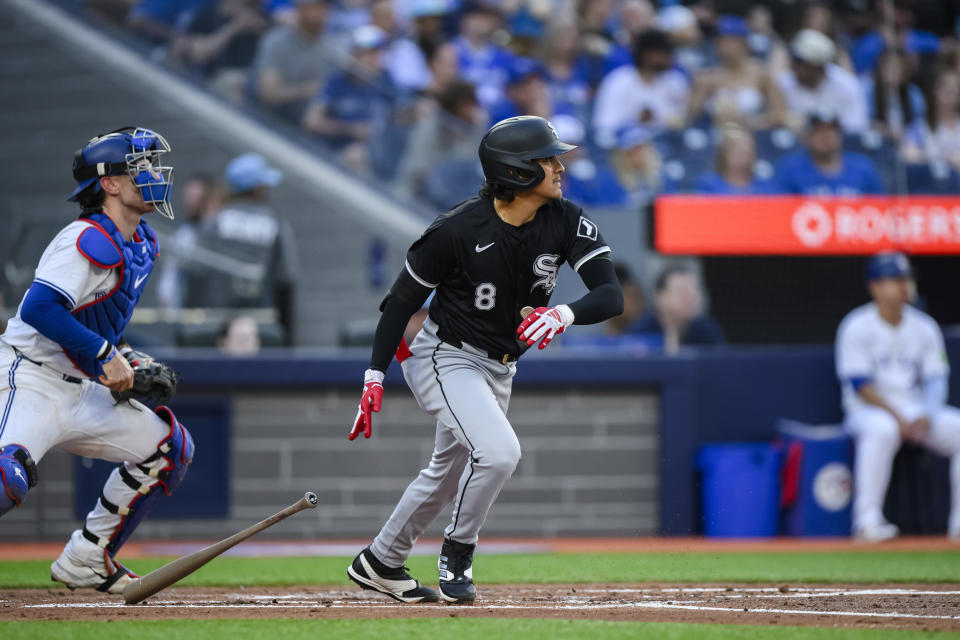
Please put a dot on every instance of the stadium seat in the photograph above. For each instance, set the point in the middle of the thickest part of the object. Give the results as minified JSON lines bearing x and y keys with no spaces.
{"x":933,"y":178}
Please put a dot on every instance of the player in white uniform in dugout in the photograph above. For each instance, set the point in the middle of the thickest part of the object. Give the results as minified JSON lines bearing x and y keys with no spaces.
{"x":893,"y":369}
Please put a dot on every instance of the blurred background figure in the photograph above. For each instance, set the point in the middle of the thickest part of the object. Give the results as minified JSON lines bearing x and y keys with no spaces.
{"x":569,"y":73}
{"x":814,"y":83}
{"x":526,"y":92}
{"x":200,"y":201}
{"x":677,"y":315}
{"x":637,"y":167}
{"x":735,"y":162}
{"x":691,"y":52}
{"x":239,"y":336}
{"x":739,"y":89}
{"x":482,"y":62}
{"x":895,"y":104}
{"x":893,"y":368}
{"x":938,"y":138}
{"x":294,"y":61}
{"x":649,"y":92}
{"x":823,"y":168}
{"x":159,"y":21}
{"x":445,"y":138}
{"x":261,"y":266}
{"x":355,"y":103}
{"x":220,"y":41}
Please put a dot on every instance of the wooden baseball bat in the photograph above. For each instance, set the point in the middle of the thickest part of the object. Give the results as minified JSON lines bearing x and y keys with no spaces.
{"x":525,"y":312}
{"x":180,"y":568}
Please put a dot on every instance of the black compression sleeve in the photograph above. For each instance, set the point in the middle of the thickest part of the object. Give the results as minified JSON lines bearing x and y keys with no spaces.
{"x":605,"y":299}
{"x":405,"y":298}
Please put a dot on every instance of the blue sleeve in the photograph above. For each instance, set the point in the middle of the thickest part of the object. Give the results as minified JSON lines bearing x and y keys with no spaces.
{"x":859,"y":381}
{"x":46,"y":311}
{"x":934,"y":394}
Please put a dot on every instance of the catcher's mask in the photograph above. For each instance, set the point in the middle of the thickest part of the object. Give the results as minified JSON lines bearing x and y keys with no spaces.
{"x":134,"y":151}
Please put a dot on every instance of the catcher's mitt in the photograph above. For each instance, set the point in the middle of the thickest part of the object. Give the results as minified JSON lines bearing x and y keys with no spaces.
{"x":153,"y":382}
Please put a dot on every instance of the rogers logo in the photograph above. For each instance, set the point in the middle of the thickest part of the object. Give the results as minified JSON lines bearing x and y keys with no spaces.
{"x":812,"y":224}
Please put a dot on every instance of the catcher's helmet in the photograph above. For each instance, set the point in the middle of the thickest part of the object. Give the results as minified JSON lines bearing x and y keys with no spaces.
{"x":510,"y":149}
{"x":888,"y":264}
{"x":134,"y":151}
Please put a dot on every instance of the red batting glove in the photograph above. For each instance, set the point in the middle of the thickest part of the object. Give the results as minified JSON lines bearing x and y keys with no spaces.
{"x":544,"y":323}
{"x":370,"y":403}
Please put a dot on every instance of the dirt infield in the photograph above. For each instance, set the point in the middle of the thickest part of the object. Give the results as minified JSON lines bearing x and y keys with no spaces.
{"x":926,"y":607}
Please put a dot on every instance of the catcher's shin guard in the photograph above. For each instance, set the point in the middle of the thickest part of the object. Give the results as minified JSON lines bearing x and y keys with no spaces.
{"x":17,"y":474}
{"x":133,"y":489}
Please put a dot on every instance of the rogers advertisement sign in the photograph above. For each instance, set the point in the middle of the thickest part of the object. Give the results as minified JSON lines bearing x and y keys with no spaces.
{"x":795,"y":225}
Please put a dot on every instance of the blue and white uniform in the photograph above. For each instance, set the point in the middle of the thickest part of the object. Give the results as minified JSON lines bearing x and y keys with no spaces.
{"x":86,"y":286}
{"x":907,"y":365}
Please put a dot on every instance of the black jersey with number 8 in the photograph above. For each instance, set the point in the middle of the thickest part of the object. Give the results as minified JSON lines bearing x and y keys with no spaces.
{"x":485,"y":270}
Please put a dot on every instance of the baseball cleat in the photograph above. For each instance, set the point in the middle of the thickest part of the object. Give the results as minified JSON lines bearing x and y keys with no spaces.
{"x":877,"y":532}
{"x":82,"y":568}
{"x":456,"y":572}
{"x":370,"y":573}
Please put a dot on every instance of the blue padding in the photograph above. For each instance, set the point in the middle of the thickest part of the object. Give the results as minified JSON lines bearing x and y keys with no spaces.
{"x":13,"y":479}
{"x":177,"y":450}
{"x":95,"y":246}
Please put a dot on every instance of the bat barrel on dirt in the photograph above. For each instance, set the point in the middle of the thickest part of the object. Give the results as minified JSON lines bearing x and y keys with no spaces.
{"x":166,"y":575}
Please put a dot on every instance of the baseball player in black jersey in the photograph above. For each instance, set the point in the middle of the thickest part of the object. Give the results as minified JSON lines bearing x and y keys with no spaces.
{"x":492,"y":262}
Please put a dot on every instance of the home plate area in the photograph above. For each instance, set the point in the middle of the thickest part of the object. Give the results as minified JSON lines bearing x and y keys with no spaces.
{"x":932,"y":607}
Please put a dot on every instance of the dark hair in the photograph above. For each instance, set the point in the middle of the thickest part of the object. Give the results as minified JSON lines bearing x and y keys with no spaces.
{"x":91,"y":202}
{"x":498,"y":191}
{"x":667,"y":273}
{"x":652,"y":40}
{"x":456,"y":93}
{"x":880,"y":93}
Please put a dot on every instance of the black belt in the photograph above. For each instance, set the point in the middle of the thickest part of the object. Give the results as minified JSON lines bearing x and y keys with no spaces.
{"x":502,"y":358}
{"x":65,"y":377}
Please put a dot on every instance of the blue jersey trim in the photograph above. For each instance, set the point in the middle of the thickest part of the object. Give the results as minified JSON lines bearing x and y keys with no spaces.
{"x":13,"y":392}
{"x":73,"y":303}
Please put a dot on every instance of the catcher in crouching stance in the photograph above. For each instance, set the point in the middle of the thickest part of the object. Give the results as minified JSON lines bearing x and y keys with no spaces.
{"x":486,"y":259}
{"x":67,"y":378}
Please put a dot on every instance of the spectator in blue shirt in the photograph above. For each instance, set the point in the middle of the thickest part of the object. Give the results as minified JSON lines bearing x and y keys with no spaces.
{"x":160,"y":20}
{"x":482,"y":62}
{"x":867,"y":49}
{"x":568,"y":70}
{"x":735,"y":162}
{"x":354,"y":102}
{"x":823,"y":168}
{"x":526,"y":92}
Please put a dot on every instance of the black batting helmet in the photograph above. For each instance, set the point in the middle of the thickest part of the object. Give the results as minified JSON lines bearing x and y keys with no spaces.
{"x":510,"y":149}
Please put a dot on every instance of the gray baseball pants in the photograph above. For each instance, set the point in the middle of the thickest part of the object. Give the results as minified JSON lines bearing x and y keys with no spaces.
{"x":475,"y":450}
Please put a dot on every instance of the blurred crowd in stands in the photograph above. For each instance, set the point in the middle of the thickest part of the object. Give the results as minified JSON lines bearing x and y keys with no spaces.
{"x":712,"y":96}
{"x":726,"y":97}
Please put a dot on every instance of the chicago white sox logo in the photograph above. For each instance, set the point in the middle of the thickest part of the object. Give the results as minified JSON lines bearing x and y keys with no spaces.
{"x":546,"y":266}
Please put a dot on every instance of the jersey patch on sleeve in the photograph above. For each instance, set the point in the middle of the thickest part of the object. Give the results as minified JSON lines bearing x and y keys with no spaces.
{"x":586,"y":229}
{"x":94,"y":245}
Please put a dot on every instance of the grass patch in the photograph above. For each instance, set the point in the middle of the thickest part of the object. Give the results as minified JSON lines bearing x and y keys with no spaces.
{"x":867,"y":567}
{"x":460,"y":628}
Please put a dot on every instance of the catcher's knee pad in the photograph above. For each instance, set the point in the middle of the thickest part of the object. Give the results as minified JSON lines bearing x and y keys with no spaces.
{"x":145,"y":482}
{"x":18,"y":473}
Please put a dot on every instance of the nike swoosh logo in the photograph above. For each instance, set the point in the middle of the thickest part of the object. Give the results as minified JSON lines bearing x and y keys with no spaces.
{"x":479,"y":249}
{"x":139,"y":281}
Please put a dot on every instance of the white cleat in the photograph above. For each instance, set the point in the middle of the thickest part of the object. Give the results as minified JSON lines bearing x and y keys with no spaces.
{"x":877,"y":532}
{"x":82,"y":567}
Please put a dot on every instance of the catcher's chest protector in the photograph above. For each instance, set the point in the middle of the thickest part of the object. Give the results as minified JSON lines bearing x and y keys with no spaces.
{"x":104,"y":246}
